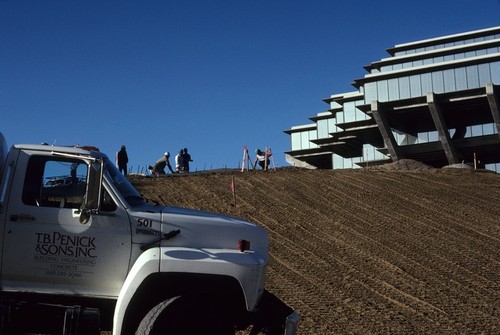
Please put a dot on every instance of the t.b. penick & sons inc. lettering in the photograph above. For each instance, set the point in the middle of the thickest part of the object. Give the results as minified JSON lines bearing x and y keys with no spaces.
{"x":57,"y":244}
{"x":63,"y":254}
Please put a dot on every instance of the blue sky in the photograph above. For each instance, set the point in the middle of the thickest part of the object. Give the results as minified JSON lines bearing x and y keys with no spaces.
{"x":209,"y":75}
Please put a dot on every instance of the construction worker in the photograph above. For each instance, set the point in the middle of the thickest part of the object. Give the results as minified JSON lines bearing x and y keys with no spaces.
{"x":262,"y":158}
{"x":159,"y":167}
{"x":179,"y":162}
{"x":122,"y":160}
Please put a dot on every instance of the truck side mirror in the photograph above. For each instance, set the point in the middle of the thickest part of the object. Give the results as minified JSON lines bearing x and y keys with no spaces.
{"x":94,"y":185}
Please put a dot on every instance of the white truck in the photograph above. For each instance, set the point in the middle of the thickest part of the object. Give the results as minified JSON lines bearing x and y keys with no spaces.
{"x":81,"y":252}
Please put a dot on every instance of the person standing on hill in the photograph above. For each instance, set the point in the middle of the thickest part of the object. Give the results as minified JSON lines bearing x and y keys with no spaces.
{"x":186,"y":158}
{"x":179,"y":162}
{"x":122,"y":160}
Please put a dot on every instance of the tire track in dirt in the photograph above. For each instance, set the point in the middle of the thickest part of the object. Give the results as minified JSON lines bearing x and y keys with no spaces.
{"x":468,"y":274}
{"x":369,"y":252}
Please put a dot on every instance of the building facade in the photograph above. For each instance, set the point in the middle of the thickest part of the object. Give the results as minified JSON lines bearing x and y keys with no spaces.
{"x":436,"y":101}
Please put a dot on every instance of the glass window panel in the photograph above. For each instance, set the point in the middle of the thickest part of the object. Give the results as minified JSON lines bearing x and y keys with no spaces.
{"x":313,"y":135}
{"x":484,"y":74}
{"x":449,"y":57}
{"x":423,"y":137}
{"x":335,"y":104}
{"x":349,"y":112}
{"x":467,"y":132}
{"x":491,"y":167}
{"x":397,"y":66}
{"x":295,"y":141}
{"x":439,"y":59}
{"x":476,"y":130}
{"x":449,"y":80}
{"x":398,"y":136}
{"x":340,"y":117}
{"x":433,"y":136}
{"x":489,"y":129}
{"x":472,"y":76}
{"x":427,"y":61}
{"x":480,"y":52}
{"x":460,"y":79}
{"x":495,"y":72}
{"x":393,"y":89}
{"x":338,"y":162}
{"x":379,"y":155}
{"x":368,"y":153}
{"x":426,"y":80}
{"x":370,"y":92}
{"x":360,"y":115}
{"x":415,"y":87}
{"x":304,"y":140}
{"x":332,"y":125}
{"x":404,"y":87}
{"x":470,"y":54}
{"x":322,"y":126}
{"x":382,"y":90}
{"x":418,"y":62}
{"x":437,"y":82}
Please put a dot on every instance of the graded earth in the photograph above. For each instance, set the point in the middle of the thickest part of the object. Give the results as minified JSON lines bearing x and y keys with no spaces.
{"x":399,"y":249}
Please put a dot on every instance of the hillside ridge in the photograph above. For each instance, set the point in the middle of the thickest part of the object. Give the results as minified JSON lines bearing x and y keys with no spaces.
{"x":397,"y":249}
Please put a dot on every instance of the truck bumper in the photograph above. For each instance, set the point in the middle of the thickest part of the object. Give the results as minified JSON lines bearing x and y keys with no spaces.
{"x":291,"y":323}
{"x":275,"y":316}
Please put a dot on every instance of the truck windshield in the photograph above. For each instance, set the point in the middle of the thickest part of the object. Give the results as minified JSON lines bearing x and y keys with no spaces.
{"x":123,"y":186}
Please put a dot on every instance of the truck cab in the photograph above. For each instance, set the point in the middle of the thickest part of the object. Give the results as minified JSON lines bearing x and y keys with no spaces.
{"x":76,"y":237}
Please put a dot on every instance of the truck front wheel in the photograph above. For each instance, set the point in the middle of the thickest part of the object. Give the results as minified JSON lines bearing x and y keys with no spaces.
{"x":184,"y":315}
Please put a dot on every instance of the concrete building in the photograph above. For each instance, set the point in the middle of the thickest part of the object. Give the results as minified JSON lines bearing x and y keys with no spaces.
{"x":436,"y":101}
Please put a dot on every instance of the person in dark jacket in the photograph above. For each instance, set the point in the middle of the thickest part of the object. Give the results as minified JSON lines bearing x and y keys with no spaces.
{"x":186,"y":158}
{"x":122,"y":160}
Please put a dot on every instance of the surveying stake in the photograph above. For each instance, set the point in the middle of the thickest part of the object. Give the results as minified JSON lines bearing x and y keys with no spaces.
{"x":269,"y":155}
{"x":246,"y":160}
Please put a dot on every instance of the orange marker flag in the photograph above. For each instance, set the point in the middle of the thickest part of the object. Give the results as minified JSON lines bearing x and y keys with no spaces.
{"x":233,"y":189}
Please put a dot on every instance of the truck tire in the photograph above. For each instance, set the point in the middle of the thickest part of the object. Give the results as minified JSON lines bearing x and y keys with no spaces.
{"x":182,"y":315}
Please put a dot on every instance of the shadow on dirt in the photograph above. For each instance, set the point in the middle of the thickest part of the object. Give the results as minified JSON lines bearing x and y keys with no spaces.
{"x":272,"y":317}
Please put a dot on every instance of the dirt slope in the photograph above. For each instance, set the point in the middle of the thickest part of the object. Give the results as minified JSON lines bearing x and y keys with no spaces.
{"x":400,"y":250}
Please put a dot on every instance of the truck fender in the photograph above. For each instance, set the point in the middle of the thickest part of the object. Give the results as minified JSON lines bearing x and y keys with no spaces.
{"x":146,"y":264}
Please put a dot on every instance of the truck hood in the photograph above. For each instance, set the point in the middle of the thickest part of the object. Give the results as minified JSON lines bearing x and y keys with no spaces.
{"x":210,"y":230}
{"x":199,"y":229}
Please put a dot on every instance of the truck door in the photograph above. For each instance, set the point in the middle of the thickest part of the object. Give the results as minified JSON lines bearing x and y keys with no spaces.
{"x":46,"y":248}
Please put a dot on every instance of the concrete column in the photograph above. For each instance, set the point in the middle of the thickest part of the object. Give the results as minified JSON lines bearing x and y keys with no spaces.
{"x":385,"y":130}
{"x":444,"y":135}
{"x":491,"y":93}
